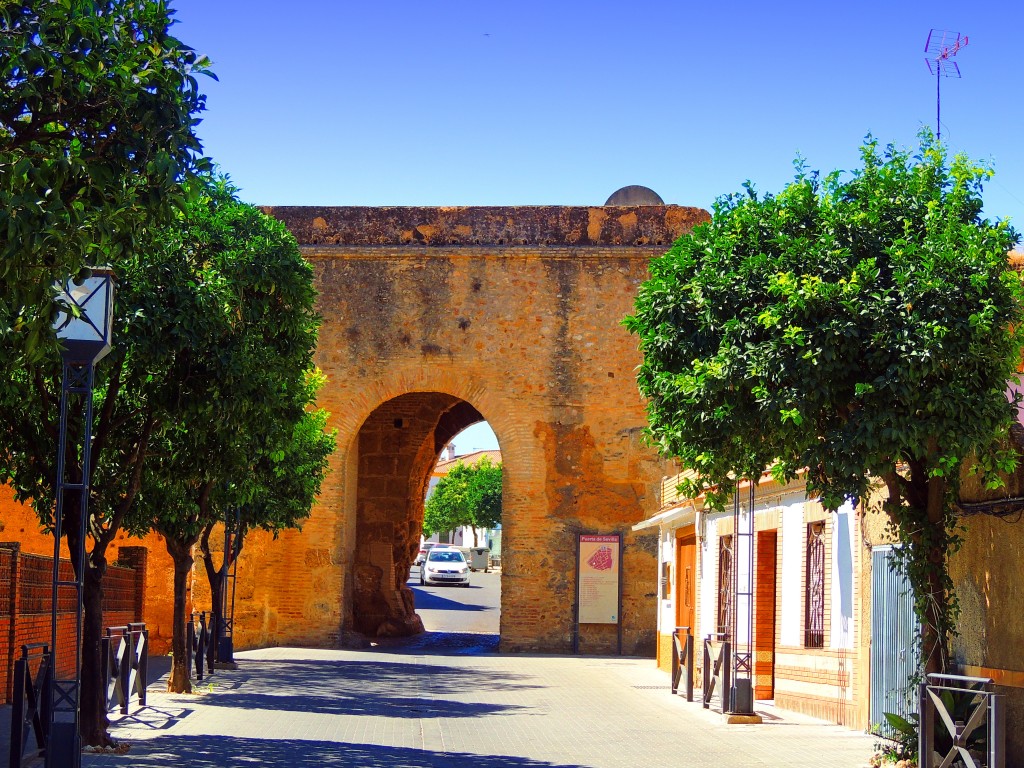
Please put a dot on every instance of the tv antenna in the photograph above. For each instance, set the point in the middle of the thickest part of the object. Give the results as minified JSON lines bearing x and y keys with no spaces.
{"x":941,"y":47}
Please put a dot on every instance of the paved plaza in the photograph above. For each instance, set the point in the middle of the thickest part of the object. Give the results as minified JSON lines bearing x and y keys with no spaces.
{"x":444,"y":701}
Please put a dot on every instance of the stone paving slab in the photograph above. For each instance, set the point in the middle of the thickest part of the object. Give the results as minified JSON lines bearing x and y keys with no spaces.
{"x":385,"y":707}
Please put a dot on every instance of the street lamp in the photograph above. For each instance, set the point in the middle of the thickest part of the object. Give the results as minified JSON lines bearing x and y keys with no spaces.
{"x":229,"y":565}
{"x":83,"y":328}
{"x":741,"y":695}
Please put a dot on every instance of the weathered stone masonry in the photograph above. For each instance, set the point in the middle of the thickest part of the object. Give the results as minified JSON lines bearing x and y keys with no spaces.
{"x":433,"y":319}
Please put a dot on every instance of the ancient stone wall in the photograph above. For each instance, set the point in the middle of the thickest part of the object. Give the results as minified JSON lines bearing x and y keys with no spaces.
{"x":434,"y":319}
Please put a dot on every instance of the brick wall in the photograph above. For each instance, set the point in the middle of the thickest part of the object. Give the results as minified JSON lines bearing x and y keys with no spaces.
{"x":25,"y":615}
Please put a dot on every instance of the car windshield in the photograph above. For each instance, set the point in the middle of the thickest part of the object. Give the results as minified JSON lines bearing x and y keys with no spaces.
{"x":445,"y":557}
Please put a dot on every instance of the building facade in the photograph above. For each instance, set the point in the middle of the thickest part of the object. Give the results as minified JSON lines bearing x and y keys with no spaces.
{"x":806,"y":607}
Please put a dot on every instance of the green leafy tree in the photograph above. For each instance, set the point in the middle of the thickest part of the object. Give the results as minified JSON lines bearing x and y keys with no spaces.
{"x":97,"y":118}
{"x":446,"y":508}
{"x":861,"y":329}
{"x":183,"y":378}
{"x":484,"y":495}
{"x":469,"y":495}
{"x":251,"y":382}
{"x":275,"y":493}
{"x":140,"y":386}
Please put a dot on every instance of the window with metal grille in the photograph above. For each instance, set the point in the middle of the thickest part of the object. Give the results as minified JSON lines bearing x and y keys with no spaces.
{"x":814,"y":597}
{"x":725,"y":586}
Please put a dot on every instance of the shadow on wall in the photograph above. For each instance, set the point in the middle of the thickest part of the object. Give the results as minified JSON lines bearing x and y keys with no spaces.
{"x":220,"y":751}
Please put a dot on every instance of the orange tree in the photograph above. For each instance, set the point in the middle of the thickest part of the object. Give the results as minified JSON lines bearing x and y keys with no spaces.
{"x":239,"y":426}
{"x":209,"y":368}
{"x":274,"y":489}
{"x":470,"y":494}
{"x":861,"y":328}
{"x":98,"y":108}
{"x":97,"y":116}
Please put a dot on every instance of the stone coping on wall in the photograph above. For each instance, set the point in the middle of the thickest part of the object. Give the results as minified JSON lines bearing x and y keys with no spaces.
{"x":508,"y":226}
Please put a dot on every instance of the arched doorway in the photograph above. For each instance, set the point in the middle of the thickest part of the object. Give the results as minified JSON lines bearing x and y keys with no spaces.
{"x":398,"y":447}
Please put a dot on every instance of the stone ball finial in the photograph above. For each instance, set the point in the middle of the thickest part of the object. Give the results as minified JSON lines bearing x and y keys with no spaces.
{"x":635,"y":194}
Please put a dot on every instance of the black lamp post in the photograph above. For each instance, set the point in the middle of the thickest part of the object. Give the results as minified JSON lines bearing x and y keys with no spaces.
{"x":226,"y":630}
{"x":84,"y":332}
{"x":741,"y":696}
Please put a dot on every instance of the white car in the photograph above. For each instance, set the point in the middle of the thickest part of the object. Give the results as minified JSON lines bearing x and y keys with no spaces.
{"x":445,"y":565}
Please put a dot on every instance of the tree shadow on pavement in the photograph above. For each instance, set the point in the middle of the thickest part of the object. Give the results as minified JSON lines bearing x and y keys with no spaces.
{"x":364,"y":704}
{"x":369,"y":688}
{"x":431,"y":601}
{"x":440,"y":644}
{"x":221,"y":751}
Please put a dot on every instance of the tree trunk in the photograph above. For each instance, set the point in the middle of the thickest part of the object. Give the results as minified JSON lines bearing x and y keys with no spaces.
{"x":936,"y":643}
{"x":92,"y":722}
{"x":179,"y":680}
{"x":917,"y":506}
{"x":216,"y":577}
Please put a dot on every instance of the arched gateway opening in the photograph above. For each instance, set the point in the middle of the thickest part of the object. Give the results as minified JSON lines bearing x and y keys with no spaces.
{"x":398,"y":446}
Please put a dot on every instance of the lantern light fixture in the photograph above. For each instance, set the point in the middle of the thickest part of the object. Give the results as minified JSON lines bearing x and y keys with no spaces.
{"x":83,"y":325}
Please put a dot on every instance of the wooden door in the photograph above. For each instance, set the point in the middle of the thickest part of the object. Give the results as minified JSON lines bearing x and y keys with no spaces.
{"x":764,"y":615}
{"x":686,"y":580}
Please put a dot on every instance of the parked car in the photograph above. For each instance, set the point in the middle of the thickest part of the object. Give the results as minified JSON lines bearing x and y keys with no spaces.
{"x":422,"y":554}
{"x":445,"y":565}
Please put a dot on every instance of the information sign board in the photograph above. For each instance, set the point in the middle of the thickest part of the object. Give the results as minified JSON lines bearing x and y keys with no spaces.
{"x":597,"y":576}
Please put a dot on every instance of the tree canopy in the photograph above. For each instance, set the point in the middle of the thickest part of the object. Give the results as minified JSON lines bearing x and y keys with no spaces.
{"x":470,"y":494}
{"x":239,"y":429}
{"x":858,"y":327}
{"x":98,"y":108}
{"x":209,"y":376}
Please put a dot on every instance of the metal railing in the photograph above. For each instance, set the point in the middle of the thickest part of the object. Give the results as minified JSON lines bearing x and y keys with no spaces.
{"x":682,"y":660}
{"x":29,"y":705}
{"x":962,"y":705}
{"x":717,"y":668}
{"x":125,"y":657}
{"x":196,"y":642}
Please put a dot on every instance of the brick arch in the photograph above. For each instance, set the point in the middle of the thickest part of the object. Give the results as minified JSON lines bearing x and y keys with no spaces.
{"x":511,"y":427}
{"x":436,"y":403}
{"x":398,"y":446}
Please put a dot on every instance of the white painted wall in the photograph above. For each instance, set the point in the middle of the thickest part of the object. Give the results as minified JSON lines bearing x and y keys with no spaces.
{"x":666,"y":607}
{"x":790,"y":616}
{"x":844,"y":531}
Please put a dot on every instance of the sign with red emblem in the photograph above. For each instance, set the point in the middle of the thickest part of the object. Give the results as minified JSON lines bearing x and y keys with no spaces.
{"x":597,"y":577}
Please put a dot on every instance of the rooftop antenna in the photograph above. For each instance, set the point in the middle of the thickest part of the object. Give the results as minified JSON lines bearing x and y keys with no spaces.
{"x":941,"y":47}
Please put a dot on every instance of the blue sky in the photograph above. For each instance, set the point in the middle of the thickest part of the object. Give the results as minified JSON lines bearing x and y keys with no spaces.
{"x":484,"y":103}
{"x":459,"y":102}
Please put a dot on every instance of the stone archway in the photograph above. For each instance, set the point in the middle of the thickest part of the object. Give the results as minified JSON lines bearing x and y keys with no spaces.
{"x":398,"y":446}
{"x":515,"y":312}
